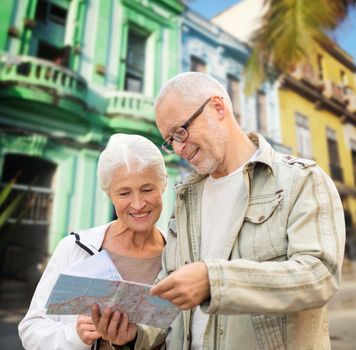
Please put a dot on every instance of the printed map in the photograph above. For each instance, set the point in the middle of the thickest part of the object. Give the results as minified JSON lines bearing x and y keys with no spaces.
{"x":74,"y":295}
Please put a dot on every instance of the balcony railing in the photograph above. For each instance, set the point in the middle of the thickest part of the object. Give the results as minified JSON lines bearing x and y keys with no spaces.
{"x":131,"y":104}
{"x":333,"y":91}
{"x":306,"y":73}
{"x":45,"y":74}
{"x":351,"y":102}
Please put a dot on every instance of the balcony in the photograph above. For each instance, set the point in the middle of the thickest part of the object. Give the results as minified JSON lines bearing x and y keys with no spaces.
{"x":305,"y":72}
{"x":126,"y":103}
{"x":26,"y":71}
{"x":333,"y":91}
{"x":351,"y":102}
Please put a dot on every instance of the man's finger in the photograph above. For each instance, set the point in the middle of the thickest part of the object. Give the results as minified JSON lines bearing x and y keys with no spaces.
{"x":170,"y":295}
{"x":162,"y":286}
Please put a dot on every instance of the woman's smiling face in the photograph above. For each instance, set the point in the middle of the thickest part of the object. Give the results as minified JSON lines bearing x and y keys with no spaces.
{"x":137,"y":197}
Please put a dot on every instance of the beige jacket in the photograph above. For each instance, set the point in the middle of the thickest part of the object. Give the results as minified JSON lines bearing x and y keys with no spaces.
{"x":282,"y":260}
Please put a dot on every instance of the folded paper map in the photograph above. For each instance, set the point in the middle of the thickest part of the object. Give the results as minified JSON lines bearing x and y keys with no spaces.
{"x":79,"y":286}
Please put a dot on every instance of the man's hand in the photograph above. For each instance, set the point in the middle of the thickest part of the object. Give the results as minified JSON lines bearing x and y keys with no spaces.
{"x":86,"y":330}
{"x":113,"y":326}
{"x":186,"y":287}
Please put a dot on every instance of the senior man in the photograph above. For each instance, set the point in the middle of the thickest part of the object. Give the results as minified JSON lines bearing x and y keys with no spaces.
{"x":255,"y":245}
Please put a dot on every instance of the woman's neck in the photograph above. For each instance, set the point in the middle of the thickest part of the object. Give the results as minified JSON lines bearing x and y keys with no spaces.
{"x":123,"y":240}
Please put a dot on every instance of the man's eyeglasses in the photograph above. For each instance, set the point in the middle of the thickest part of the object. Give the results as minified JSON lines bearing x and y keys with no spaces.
{"x":181,"y":133}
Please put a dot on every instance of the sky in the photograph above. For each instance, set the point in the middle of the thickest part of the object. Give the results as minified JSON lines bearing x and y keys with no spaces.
{"x":345,"y":35}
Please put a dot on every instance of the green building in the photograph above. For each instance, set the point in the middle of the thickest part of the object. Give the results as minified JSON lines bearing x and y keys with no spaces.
{"x":73,"y":72}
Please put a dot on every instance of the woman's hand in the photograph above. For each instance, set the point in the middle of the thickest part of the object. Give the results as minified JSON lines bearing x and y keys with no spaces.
{"x":113,"y":326}
{"x":86,"y":330}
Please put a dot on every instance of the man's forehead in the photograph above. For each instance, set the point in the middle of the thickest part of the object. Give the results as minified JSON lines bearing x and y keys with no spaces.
{"x":169,"y":111}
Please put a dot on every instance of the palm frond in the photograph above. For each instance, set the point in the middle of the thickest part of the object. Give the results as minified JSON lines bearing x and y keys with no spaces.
{"x":7,"y":212}
{"x":5,"y":192}
{"x":288,"y":34}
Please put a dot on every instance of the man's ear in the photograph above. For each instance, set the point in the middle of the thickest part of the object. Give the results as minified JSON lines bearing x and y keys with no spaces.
{"x":219,"y":106}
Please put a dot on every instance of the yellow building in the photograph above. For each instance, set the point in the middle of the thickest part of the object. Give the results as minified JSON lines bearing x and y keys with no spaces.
{"x":318,"y":118}
{"x":317,"y":107}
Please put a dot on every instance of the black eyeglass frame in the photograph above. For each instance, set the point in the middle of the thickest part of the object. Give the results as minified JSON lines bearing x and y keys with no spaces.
{"x":173,"y":137}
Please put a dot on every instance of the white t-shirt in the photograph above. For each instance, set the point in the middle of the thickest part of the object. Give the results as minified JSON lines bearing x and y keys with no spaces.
{"x":219,"y":197}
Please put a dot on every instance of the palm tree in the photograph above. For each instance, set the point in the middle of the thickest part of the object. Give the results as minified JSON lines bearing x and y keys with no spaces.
{"x":288,"y":34}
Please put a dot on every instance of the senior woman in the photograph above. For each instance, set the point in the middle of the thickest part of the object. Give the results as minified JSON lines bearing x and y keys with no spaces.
{"x":131,"y":171}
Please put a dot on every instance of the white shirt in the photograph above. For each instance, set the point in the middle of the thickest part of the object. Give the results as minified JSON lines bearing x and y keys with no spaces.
{"x":219,"y":197}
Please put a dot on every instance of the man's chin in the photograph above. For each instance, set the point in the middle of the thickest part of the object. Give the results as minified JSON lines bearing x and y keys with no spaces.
{"x":205,"y":169}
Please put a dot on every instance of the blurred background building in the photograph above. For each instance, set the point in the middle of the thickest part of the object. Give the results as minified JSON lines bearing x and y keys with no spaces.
{"x":317,"y":108}
{"x":73,"y":72}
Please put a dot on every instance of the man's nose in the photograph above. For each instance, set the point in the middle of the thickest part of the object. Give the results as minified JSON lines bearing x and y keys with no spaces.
{"x":178,"y":147}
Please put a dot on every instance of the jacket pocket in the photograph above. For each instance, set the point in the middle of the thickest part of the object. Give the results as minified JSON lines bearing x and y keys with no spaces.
{"x":263,"y":236}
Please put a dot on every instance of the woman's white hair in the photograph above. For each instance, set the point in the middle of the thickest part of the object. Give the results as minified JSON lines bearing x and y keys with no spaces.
{"x":134,"y":152}
{"x":193,"y":87}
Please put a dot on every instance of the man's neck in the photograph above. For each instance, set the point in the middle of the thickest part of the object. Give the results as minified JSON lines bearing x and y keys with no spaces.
{"x":239,"y":151}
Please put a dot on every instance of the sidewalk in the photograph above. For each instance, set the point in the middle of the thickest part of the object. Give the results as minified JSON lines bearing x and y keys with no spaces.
{"x":15,"y":297}
{"x":342,"y":311}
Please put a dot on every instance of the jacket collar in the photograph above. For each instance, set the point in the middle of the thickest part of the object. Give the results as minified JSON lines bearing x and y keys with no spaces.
{"x":265,"y":151}
{"x":93,"y":237}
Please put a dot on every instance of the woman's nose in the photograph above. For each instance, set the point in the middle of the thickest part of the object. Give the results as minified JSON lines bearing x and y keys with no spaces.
{"x":138,"y":202}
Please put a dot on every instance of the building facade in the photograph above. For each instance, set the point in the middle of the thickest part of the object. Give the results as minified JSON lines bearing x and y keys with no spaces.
{"x":317,"y":108}
{"x":207,"y":48}
{"x":73,"y":72}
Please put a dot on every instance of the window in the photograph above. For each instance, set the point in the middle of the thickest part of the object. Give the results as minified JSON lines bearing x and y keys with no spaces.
{"x":233,"y":89}
{"x":197,"y":64}
{"x":343,"y":78}
{"x":261,"y":113}
{"x":320,"y":60}
{"x":334,"y":159}
{"x":135,"y":62}
{"x":46,"y":11}
{"x":353,"y":155}
{"x":303,"y":136}
{"x":51,"y":53}
{"x":57,"y":14}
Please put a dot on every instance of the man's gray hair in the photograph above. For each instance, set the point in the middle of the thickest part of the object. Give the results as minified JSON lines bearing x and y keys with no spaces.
{"x":134,"y":152}
{"x":193,"y":87}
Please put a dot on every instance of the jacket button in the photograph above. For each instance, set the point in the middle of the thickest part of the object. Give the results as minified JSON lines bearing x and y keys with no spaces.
{"x":181,"y":196}
{"x":188,"y":337}
{"x":261,"y":218}
{"x":221,"y":331}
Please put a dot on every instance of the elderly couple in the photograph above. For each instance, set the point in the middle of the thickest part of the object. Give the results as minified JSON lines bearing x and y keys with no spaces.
{"x":253,"y":251}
